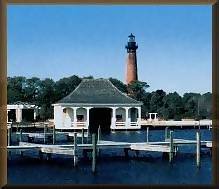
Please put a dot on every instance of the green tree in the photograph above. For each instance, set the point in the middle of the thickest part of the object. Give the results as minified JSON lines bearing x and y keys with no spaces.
{"x":146,"y":105}
{"x":137,"y":89}
{"x":208,"y":104}
{"x":65,"y":86}
{"x":172,"y":106}
{"x":156,"y":101}
{"x":118,"y":84}
{"x":204,"y":106}
{"x":15,"y":89}
{"x":190,"y":101}
{"x":46,"y":98}
{"x":31,"y":89}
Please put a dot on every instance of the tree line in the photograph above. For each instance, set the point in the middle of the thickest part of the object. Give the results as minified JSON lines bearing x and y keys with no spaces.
{"x":45,"y":92}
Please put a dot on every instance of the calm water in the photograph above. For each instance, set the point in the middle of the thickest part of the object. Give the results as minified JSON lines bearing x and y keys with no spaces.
{"x":113,"y":167}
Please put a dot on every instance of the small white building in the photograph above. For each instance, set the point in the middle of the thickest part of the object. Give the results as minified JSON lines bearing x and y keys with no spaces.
{"x":94,"y":103}
{"x":152,"y":117}
{"x":21,"y":111}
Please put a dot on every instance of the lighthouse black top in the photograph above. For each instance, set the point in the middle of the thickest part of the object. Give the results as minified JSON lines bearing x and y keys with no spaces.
{"x":98,"y":91}
{"x":131,"y":46}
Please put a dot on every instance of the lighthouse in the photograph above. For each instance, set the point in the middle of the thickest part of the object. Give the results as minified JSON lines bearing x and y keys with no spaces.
{"x":131,"y":65}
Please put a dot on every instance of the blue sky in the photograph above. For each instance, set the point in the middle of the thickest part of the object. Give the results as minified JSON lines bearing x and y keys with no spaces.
{"x":56,"y":41}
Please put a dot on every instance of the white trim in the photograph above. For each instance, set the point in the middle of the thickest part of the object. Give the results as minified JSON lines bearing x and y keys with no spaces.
{"x":97,"y":104}
{"x":21,"y":106}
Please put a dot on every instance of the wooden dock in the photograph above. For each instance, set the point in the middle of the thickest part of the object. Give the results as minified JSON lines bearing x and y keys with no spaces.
{"x":141,"y":146}
{"x":177,"y":124}
{"x":158,"y":124}
{"x":169,"y":146}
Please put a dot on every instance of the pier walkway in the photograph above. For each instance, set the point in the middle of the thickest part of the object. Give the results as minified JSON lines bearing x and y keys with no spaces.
{"x":169,"y":146}
{"x":112,"y":144}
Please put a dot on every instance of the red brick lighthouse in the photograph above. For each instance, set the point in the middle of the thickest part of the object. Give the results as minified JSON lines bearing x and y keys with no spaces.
{"x":131,"y":66}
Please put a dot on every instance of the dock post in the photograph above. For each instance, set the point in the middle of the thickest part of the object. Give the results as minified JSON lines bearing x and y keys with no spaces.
{"x":9,"y":136}
{"x":126,"y":151}
{"x":88,"y":134}
{"x":147,"y":134}
{"x":198,"y":148}
{"x":20,"y":135}
{"x":75,"y":149}
{"x":48,"y":156}
{"x":44,"y":133}
{"x":82,"y":137}
{"x":54,"y":135}
{"x":98,"y":134}
{"x":40,"y":154}
{"x":94,"y":153}
{"x":166,"y":133}
{"x":171,"y":147}
{"x":98,"y":140}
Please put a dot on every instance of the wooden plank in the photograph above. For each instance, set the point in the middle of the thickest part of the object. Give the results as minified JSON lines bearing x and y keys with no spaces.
{"x":63,"y":151}
{"x":152,"y":148}
{"x":39,"y":135}
{"x":78,"y":134}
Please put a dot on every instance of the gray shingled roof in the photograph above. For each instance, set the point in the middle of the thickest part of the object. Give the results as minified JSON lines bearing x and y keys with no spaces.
{"x":97,"y":91}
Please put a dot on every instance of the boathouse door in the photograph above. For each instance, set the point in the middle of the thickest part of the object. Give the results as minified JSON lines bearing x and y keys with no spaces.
{"x":100,"y":117}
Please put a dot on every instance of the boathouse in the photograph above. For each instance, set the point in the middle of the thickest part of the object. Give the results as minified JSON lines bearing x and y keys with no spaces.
{"x":22,"y":111}
{"x":94,"y":103}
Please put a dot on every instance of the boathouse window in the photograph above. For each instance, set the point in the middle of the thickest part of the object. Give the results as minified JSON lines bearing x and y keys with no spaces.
{"x":80,"y":117}
{"x":119,"y":117}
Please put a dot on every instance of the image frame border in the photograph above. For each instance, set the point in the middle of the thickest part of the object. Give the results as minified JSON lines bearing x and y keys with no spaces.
{"x":215,"y":79}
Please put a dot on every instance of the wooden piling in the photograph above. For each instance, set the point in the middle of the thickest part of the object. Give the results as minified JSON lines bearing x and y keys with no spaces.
{"x":137,"y":152}
{"x":48,"y":156}
{"x":126,"y":152}
{"x":166,"y":133}
{"x":82,"y":137}
{"x":88,"y":134}
{"x":198,"y":148}
{"x":44,"y":133}
{"x":75,"y":149}
{"x":98,"y":135}
{"x":147,"y":134}
{"x":94,"y":153}
{"x":175,"y":150}
{"x":21,"y":153}
{"x":171,"y":147}
{"x":20,"y":140}
{"x":20,"y":135}
{"x":9,"y":136}
{"x":40,"y":154}
{"x":54,"y":135}
{"x":98,"y":140}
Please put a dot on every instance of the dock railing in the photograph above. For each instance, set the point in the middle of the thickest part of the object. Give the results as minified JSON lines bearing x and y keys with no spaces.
{"x":120,"y":123}
{"x":79,"y":124}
